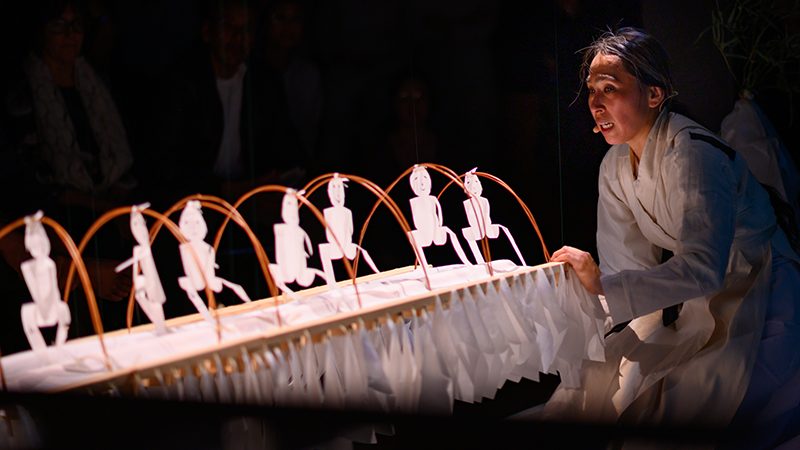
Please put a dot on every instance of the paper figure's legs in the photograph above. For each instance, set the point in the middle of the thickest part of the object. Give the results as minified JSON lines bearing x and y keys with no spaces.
{"x":237,"y":289}
{"x":513,"y":244}
{"x":201,"y":307}
{"x":420,"y":252}
{"x":32,"y":331}
{"x":64,"y":320}
{"x":473,"y":246}
{"x":471,"y":235}
{"x":154,"y":311}
{"x":367,"y":258}
{"x":327,"y":263}
{"x":493,"y":230}
{"x":307,"y":276}
{"x":276,"y":273}
{"x":457,"y":246}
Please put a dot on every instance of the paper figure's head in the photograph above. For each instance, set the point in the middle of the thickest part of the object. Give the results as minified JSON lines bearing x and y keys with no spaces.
{"x":289,"y":208}
{"x":191,"y":223}
{"x":473,"y":184}
{"x":336,"y":190}
{"x":420,"y":181}
{"x":36,"y":241}
{"x":139,"y":226}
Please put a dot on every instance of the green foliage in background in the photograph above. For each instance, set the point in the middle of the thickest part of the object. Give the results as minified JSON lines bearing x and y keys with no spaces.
{"x":760,"y":42}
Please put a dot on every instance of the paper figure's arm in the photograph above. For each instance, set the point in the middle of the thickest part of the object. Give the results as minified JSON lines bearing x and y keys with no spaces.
{"x":307,"y":241}
{"x":41,"y":288}
{"x":190,"y":266}
{"x":139,"y":278}
{"x":486,"y":208}
{"x":349,"y":229}
{"x":438,"y":209}
{"x":211,"y":262}
{"x":137,"y":256}
{"x":30,"y":279}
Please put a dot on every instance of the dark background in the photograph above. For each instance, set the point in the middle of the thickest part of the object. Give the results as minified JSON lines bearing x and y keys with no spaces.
{"x":502,"y":87}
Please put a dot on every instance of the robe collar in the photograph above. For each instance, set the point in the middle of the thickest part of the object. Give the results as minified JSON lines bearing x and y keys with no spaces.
{"x":648,"y":171}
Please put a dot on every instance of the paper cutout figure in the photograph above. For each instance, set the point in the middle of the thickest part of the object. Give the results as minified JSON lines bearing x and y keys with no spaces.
{"x":292,"y":248}
{"x":194,"y":228}
{"x":39,"y":273}
{"x":427,"y":214}
{"x":340,"y":225}
{"x":146,"y":283}
{"x":480,"y":224}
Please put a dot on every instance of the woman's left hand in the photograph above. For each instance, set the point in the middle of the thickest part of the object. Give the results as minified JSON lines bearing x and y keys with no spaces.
{"x":584,"y":266}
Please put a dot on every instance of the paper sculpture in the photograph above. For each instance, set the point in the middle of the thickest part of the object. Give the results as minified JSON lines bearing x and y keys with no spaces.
{"x":39,"y":273}
{"x":194,"y":228}
{"x":340,"y":229}
{"x":480,"y":223}
{"x":292,"y":248}
{"x":427,"y":214}
{"x":146,"y":283}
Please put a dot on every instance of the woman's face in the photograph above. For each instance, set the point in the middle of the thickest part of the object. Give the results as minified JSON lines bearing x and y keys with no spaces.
{"x":621,"y":106}
{"x":63,"y":37}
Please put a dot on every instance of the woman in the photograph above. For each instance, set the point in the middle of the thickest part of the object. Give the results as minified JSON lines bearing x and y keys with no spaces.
{"x":690,"y":254}
{"x":67,"y":117}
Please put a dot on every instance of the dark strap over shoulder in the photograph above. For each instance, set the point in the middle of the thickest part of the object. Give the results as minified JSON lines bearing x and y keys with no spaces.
{"x":669,"y":314}
{"x":731,"y":153}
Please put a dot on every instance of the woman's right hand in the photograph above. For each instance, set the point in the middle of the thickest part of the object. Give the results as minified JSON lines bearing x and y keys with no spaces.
{"x":582,"y":262}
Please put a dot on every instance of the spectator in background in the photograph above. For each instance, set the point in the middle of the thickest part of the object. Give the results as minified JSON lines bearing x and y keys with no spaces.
{"x":65,"y":119}
{"x":411,"y":139}
{"x":211,"y":128}
{"x":67,"y":154}
{"x":288,"y":87}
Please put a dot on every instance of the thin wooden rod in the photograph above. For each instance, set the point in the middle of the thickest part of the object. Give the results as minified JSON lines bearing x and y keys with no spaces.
{"x":383,"y":198}
{"x":94,"y":312}
{"x":176,"y":232}
{"x":321,"y":218}
{"x":84,"y":276}
{"x":487,"y":254}
{"x":436,"y":167}
{"x":522,"y":204}
{"x":231,"y":213}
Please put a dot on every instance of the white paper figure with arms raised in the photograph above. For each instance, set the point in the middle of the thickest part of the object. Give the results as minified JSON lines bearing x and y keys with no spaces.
{"x":39,"y":273}
{"x":480,"y":223}
{"x":427,"y":214}
{"x":340,"y":224}
{"x":194,"y":228}
{"x":292,"y":248}
{"x":148,"y":291}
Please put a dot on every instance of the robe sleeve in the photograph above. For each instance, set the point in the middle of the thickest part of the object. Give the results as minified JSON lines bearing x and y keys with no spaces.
{"x":701,"y":193}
